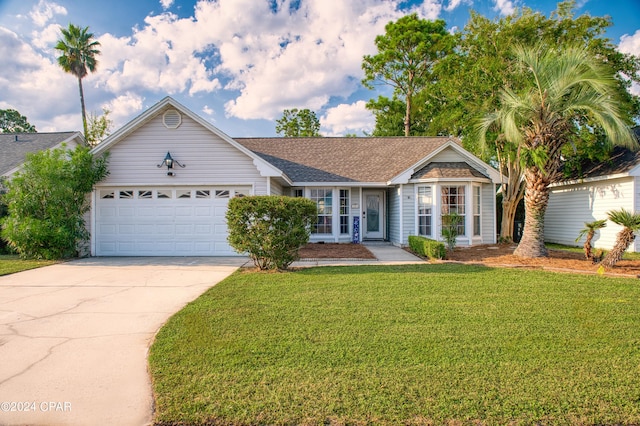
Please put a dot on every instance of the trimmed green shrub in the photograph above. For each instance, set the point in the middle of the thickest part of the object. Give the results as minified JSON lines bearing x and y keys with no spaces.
{"x":431,"y":249}
{"x":271,"y":229}
{"x":47,"y":200}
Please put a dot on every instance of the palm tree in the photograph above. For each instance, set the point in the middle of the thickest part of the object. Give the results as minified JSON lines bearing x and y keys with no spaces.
{"x":589,"y":230}
{"x":631,"y":224}
{"x":567,"y":86}
{"x":78,"y":57}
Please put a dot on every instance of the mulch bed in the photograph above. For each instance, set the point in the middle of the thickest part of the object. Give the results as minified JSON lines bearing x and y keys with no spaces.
{"x":334,"y":251}
{"x":490,"y":255}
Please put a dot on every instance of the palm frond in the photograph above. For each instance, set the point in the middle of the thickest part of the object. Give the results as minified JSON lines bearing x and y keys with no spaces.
{"x":625,"y":218}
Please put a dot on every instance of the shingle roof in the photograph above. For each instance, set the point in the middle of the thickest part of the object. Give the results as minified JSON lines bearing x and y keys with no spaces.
{"x":622,"y":160}
{"x":343,"y":159}
{"x":15,"y":146}
{"x":447,"y":170}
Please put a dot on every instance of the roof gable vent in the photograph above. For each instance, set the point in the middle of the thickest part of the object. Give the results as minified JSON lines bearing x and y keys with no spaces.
{"x":171,"y":119}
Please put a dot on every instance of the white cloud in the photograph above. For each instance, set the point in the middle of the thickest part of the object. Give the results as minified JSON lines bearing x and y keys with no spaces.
{"x":35,"y":85}
{"x":123,"y":107}
{"x":291,"y":59}
{"x":207,"y":110}
{"x":302,"y":55}
{"x":353,"y":118}
{"x":44,"y":11}
{"x":631,"y":44}
{"x":161,"y":57}
{"x":452,"y":5}
{"x":505,"y":7}
{"x":166,"y":4}
{"x":46,"y":37}
{"x":430,"y":9}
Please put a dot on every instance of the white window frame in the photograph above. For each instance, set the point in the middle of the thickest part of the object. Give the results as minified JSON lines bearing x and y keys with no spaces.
{"x":419,"y":214}
{"x":476,"y":210}
{"x":327,"y":214}
{"x":344,"y":210}
{"x":464,"y":225}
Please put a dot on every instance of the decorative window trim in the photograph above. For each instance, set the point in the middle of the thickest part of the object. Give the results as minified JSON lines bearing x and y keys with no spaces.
{"x":125,"y":194}
{"x":107,"y":194}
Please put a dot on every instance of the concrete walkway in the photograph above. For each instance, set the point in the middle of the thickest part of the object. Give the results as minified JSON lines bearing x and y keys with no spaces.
{"x":385,"y":253}
{"x":74,"y":336}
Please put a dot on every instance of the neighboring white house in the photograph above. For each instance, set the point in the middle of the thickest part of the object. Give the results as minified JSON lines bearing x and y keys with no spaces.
{"x":602,"y":187}
{"x":365,"y":188}
{"x":15,"y":147}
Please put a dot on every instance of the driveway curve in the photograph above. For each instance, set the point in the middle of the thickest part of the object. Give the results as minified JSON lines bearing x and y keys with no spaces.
{"x":74,"y":336}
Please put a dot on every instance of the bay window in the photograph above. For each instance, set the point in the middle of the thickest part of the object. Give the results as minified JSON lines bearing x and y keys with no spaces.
{"x":453,"y":201}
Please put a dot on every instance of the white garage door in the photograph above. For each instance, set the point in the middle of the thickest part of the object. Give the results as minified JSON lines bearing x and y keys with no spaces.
{"x":163,"y":221}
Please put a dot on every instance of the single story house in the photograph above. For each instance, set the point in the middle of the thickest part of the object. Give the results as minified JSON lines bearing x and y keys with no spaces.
{"x":172,"y":174}
{"x":600,"y":188}
{"x":15,"y":147}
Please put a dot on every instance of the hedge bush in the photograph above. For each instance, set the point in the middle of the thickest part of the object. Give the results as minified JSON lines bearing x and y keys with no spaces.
{"x":271,"y":229}
{"x":428,"y":248}
{"x":47,"y":200}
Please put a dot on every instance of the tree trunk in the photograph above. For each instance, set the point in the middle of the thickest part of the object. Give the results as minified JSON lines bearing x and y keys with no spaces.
{"x":623,"y":241}
{"x":407,"y":117}
{"x":588,"y":253}
{"x":536,"y":199}
{"x":509,"y":208}
{"x":84,"y":112}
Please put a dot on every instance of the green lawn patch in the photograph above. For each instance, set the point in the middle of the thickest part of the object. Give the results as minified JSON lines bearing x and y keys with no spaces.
{"x":10,"y":264}
{"x":414,"y":344}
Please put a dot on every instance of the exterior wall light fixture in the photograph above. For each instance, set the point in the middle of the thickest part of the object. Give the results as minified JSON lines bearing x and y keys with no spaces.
{"x":169,"y":162}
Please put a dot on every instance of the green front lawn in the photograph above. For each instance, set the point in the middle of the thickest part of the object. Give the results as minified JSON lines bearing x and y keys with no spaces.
{"x":10,"y":264}
{"x":415,"y":344}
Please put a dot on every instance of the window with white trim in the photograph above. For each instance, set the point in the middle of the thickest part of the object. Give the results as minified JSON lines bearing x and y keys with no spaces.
{"x":344,"y":211}
{"x":323,"y":197}
{"x":476,"y":211}
{"x":453,"y":201}
{"x":425,"y":208}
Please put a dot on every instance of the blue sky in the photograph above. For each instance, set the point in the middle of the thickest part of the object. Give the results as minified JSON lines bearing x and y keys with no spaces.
{"x":237,"y":63}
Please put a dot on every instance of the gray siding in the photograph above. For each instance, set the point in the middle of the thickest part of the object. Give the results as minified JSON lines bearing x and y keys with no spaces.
{"x":409,"y":212}
{"x":208,"y":158}
{"x":394,"y":215}
{"x":488,"y":222}
{"x":276,"y":188}
{"x":571,"y":206}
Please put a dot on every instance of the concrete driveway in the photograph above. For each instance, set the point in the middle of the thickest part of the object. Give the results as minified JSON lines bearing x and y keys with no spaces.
{"x":74,"y":336}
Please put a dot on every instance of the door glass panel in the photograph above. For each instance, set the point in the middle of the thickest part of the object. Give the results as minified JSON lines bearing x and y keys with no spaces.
{"x":373,"y":213}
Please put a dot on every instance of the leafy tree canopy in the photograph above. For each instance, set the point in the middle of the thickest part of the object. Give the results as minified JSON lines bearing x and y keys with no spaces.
{"x":296,"y":123}
{"x":98,"y":127}
{"x":407,"y":53}
{"x":11,"y":121}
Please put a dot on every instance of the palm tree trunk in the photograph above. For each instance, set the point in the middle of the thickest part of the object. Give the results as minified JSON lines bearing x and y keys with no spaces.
{"x":536,"y":199}
{"x":623,"y":241}
{"x":84,"y":112}
{"x":588,"y":253}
